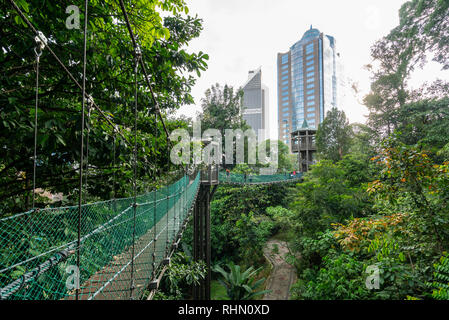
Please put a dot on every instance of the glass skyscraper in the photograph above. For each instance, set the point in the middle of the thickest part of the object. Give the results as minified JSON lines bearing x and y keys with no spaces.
{"x":307,"y":82}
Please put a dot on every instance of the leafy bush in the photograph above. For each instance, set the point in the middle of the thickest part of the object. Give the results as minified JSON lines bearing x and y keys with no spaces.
{"x":240,"y":285}
{"x":341,"y":277}
{"x":440,"y":284}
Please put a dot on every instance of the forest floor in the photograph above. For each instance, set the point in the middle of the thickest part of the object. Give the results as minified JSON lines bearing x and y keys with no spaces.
{"x":283,"y":274}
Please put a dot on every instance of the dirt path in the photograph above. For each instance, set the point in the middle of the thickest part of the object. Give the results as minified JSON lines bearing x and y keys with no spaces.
{"x":283,"y":275}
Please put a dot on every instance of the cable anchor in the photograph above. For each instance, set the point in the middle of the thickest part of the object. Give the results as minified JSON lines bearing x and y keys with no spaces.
{"x":90,"y":101}
{"x":41,"y":43}
{"x":137,"y":51}
{"x":137,"y":55}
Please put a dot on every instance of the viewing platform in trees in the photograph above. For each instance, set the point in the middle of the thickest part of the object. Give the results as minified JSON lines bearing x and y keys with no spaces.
{"x":303,"y":143}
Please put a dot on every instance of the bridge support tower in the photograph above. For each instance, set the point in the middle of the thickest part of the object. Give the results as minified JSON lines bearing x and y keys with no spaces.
{"x":201,"y":228}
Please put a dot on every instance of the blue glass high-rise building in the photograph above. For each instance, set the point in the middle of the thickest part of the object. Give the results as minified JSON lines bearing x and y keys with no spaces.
{"x":307,"y":82}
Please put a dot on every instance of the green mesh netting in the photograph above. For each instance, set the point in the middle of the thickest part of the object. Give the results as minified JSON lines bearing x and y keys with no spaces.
{"x":118,"y":254}
{"x":238,"y":178}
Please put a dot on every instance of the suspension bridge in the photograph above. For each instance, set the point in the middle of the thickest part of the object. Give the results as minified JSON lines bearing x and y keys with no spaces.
{"x":114,"y":249}
{"x":124,"y":244}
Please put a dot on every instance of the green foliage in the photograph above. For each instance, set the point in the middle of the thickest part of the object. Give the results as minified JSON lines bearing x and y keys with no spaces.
{"x":240,"y":285}
{"x":109,"y":81}
{"x":426,"y":23}
{"x":330,"y":194}
{"x":333,"y":135}
{"x":341,"y":277}
{"x":425,"y":123}
{"x":441,"y":279}
{"x":181,"y":274}
{"x":222,"y":109}
{"x":402,"y":230}
{"x":283,"y":217}
{"x":239,"y":226}
{"x":314,"y":249}
{"x":412,"y":183}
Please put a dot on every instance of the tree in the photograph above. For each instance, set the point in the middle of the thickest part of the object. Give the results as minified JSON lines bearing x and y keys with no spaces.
{"x":222,"y":109}
{"x":110,"y":82}
{"x":426,"y":22}
{"x":411,"y":182}
{"x":423,"y":30}
{"x":362,"y":140}
{"x":394,"y":56}
{"x":333,"y":135}
{"x":331,"y":193}
{"x":425,"y":122}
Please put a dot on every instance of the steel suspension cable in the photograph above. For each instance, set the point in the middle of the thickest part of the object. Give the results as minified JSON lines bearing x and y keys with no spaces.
{"x":156,"y":105}
{"x":38,"y":51}
{"x":153,"y":269}
{"x":142,"y":65}
{"x":81,"y":147}
{"x":113,"y":175}
{"x":168,"y":202}
{"x":89,"y":108}
{"x":137,"y":53}
{"x":40,"y":45}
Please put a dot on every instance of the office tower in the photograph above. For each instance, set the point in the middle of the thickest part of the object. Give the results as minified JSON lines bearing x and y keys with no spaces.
{"x":307,"y":83}
{"x":255,"y":104}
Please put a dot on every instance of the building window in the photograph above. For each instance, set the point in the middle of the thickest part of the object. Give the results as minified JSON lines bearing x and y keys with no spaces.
{"x":311,"y":98}
{"x":285,"y":93}
{"x":284,"y":98}
{"x":311,"y":103}
{"x":284,"y":83}
{"x":284,"y":58}
{"x":285,"y":103}
{"x":285,"y":72}
{"x":285,"y":77}
{"x":312,"y":85}
{"x":311,"y":91}
{"x":310,"y":68}
{"x":311,"y":79}
{"x":309,"y":63}
{"x":285,"y":66}
{"x":310,"y":74}
{"x":309,"y":57}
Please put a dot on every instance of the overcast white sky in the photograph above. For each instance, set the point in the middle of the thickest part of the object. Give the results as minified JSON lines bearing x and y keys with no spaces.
{"x":240,"y":35}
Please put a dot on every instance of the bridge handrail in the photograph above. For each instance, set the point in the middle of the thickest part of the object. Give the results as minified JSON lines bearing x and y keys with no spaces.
{"x":111,"y":225}
{"x":239,"y":178}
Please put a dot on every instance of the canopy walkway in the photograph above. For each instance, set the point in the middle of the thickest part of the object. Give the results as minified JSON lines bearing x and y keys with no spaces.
{"x":113,"y":249}
{"x":235,"y":178}
{"x":120,"y":253}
